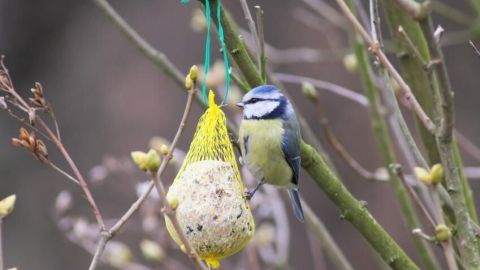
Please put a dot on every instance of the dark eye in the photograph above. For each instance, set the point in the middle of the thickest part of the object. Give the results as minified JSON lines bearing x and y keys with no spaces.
{"x":253,"y":100}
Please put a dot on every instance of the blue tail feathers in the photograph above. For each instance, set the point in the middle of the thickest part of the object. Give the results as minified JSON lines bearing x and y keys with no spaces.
{"x":296,"y":204}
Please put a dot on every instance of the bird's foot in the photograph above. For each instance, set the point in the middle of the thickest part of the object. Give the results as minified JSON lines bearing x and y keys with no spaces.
{"x":248,"y":195}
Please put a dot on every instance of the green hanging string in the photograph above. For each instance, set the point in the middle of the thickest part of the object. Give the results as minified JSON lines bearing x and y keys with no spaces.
{"x":224,"y":51}
{"x":206,"y":66}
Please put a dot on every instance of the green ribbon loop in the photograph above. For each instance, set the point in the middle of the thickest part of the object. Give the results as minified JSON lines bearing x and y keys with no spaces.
{"x":221,"y":37}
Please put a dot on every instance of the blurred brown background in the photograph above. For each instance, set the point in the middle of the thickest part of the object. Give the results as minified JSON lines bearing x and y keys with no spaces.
{"x":110,"y":100}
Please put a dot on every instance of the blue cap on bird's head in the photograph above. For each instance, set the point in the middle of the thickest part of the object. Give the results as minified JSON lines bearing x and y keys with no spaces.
{"x":265,"y":102}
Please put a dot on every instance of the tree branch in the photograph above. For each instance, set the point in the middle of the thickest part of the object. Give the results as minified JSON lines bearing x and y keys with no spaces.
{"x":353,"y":210}
{"x":170,"y":212}
{"x":375,"y":49}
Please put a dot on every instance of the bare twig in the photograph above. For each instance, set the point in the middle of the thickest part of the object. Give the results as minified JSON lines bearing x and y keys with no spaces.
{"x":133,"y":208}
{"x":55,"y":122}
{"x":76,"y":171}
{"x":423,"y":235}
{"x":58,"y":169}
{"x":334,"y":88}
{"x":397,"y":169}
{"x":327,"y":12}
{"x":262,"y":59}
{"x":467,"y":145}
{"x":155,"y":182}
{"x":239,"y":82}
{"x":339,"y":148}
{"x":99,"y":251}
{"x":169,"y":211}
{"x":22,"y":104}
{"x":410,"y":44}
{"x":474,"y":47}
{"x":251,"y":27}
{"x":375,"y":49}
{"x":328,"y":244}
{"x":157,"y":57}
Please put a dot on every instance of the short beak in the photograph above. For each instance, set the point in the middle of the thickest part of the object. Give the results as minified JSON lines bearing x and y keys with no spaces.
{"x":240,"y":104}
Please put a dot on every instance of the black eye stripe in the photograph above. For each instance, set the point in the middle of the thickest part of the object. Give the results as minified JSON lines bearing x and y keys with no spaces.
{"x":255,"y":100}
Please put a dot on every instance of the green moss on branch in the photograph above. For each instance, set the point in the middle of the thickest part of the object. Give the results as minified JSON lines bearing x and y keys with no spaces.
{"x":354,"y":211}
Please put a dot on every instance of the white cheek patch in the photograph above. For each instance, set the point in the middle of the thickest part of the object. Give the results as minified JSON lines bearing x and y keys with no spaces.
{"x":260,"y":109}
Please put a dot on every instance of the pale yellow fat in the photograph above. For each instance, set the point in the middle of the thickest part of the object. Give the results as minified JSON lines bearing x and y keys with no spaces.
{"x":212,"y":209}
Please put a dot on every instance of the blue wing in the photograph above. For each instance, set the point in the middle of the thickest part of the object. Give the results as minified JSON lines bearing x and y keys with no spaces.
{"x":291,"y":151}
{"x":291,"y":147}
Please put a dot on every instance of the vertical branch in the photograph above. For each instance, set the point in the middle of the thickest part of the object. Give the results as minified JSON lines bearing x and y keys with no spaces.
{"x":353,"y":210}
{"x":328,"y":243}
{"x":381,"y":133}
{"x":261,"y":39}
{"x":76,"y":171}
{"x":251,"y":26}
{"x":457,"y":186}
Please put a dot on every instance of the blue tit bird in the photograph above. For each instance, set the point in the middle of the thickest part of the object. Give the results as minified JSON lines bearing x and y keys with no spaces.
{"x":269,"y":140}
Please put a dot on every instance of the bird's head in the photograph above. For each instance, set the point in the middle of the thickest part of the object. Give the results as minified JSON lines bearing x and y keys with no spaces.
{"x":265,"y":102}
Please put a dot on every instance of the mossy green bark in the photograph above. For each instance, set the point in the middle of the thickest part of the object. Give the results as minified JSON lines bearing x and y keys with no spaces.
{"x":423,"y":85}
{"x":385,"y":146}
{"x":354,"y":211}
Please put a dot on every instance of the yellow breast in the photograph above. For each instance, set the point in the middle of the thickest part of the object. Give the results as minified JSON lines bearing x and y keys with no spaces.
{"x":261,"y":143}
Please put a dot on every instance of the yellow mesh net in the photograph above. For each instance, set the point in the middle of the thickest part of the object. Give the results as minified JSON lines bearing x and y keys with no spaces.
{"x":212,"y":209}
{"x":211,"y":140}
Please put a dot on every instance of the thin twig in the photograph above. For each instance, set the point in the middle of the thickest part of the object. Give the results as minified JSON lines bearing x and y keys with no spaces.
{"x":262,"y":61}
{"x":334,"y":88}
{"x":239,"y":82}
{"x":397,"y":169}
{"x":55,"y":122}
{"x":339,"y":148}
{"x":25,"y":121}
{"x":375,"y":49}
{"x":423,"y":235}
{"x":157,"y":57}
{"x":447,"y":247}
{"x":410,"y":44}
{"x":329,"y":245}
{"x":83,"y":184}
{"x":76,"y":171}
{"x":474,"y":47}
{"x":99,"y":251}
{"x":252,"y":28}
{"x":169,"y":211}
{"x":467,"y":145}
{"x":58,"y":169}
{"x":135,"y":206}
{"x":327,"y":12}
